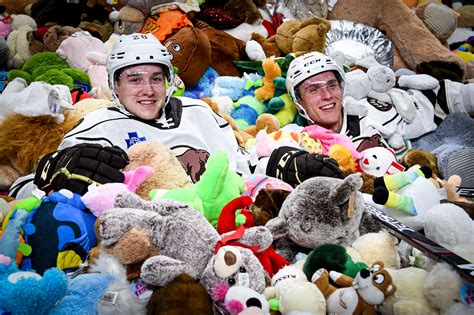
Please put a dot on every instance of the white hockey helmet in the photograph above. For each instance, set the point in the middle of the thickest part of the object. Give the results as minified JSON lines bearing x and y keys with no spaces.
{"x":306,"y":66}
{"x":135,"y":49}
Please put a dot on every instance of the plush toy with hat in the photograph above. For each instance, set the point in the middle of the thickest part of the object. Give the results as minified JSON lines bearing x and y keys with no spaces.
{"x":355,"y":296}
{"x":194,"y":252}
{"x":290,"y":292}
{"x":298,"y":224}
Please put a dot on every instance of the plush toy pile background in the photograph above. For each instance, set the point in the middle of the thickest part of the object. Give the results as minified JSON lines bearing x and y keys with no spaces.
{"x":159,"y":243}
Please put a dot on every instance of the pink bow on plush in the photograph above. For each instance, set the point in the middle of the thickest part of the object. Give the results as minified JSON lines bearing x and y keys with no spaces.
{"x":329,"y":138}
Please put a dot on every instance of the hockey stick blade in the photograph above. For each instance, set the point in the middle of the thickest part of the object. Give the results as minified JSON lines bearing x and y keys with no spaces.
{"x":421,"y":242}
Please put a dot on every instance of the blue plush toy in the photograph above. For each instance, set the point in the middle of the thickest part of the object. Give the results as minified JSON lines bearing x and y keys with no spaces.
{"x":236,"y":87}
{"x":203,"y":88}
{"x":246,"y":111}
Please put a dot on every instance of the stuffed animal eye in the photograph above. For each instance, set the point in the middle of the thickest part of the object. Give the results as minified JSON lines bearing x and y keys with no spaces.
{"x":374,"y":156}
{"x":379,"y":278}
{"x":231,"y":281}
{"x":242,"y":269}
{"x":176,"y":47}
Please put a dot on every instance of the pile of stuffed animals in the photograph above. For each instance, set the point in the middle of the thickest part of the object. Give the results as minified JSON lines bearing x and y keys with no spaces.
{"x":163,"y":243}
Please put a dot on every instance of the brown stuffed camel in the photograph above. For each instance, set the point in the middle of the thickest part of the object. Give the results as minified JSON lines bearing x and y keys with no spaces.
{"x":413,"y":43}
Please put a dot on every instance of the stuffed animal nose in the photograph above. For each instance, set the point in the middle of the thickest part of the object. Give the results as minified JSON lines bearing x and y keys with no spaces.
{"x":253,"y":302}
{"x":364,"y":273}
{"x":230,"y":258}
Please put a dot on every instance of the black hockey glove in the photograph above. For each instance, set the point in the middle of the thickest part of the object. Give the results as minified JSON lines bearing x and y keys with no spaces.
{"x":294,"y":166}
{"x":76,"y":167}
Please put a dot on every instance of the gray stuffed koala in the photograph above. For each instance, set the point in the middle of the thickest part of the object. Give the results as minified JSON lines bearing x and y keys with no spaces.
{"x":185,"y":242}
{"x":320,"y":210}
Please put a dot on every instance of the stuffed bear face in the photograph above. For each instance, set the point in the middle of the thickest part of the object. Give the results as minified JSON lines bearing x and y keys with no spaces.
{"x":234,"y":265}
{"x":321,"y":210}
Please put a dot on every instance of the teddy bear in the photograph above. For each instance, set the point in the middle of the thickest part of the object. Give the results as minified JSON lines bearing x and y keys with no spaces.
{"x":17,"y":40}
{"x":51,"y":39}
{"x":290,"y":291}
{"x":16,"y":7}
{"x":409,"y":296}
{"x":412,"y":41}
{"x":355,"y":296}
{"x":168,"y":171}
{"x":445,"y":290}
{"x":198,"y":252}
{"x":299,"y":37}
{"x":298,"y":224}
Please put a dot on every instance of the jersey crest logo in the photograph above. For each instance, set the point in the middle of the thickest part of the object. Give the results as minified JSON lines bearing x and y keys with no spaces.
{"x":134,"y":138}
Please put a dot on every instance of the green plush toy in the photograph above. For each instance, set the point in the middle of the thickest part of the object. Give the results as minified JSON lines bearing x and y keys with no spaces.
{"x":50,"y":68}
{"x":288,"y":112}
{"x":331,"y":257}
{"x":217,"y":186}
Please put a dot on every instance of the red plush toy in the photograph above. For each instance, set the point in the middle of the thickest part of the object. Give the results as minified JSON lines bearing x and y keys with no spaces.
{"x":236,"y":217}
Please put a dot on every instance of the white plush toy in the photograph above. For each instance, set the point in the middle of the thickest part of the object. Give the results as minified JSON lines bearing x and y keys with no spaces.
{"x":17,"y":40}
{"x":409,"y":297}
{"x":442,"y":289}
{"x":37,"y":99}
{"x":295,"y":294}
{"x":379,"y":161}
{"x":380,"y":246}
{"x":450,"y":226}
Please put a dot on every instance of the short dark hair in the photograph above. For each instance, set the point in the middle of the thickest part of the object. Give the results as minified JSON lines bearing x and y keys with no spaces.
{"x":119,"y":71}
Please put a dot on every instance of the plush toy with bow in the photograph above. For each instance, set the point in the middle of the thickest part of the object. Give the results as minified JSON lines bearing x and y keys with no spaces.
{"x":235,"y":218}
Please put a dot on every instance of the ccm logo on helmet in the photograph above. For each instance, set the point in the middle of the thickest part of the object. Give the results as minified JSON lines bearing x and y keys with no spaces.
{"x":136,"y":37}
{"x":311,"y":62}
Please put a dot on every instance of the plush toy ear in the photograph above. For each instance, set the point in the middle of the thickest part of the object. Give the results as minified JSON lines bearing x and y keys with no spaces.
{"x":341,"y":193}
{"x":390,"y":290}
{"x":278,"y":227}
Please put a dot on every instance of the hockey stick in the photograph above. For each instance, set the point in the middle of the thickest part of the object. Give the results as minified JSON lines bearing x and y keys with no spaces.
{"x":421,"y":242}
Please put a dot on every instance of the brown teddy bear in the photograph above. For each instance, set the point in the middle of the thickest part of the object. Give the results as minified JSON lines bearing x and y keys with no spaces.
{"x":169,"y":172}
{"x":413,"y":43}
{"x":302,"y":36}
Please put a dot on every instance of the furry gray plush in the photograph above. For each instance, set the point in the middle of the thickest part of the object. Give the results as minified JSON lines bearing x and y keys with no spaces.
{"x":126,"y":302}
{"x":455,"y":133}
{"x":185,"y":241}
{"x":320,"y":210}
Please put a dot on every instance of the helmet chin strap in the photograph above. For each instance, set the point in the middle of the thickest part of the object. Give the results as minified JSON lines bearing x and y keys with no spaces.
{"x":303,"y":112}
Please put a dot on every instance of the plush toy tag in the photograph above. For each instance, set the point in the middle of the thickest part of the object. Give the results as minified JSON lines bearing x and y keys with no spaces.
{"x":350,"y":211}
{"x":467,"y":294}
{"x":244,"y":279}
{"x":110,"y":297}
{"x":140,"y":289}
